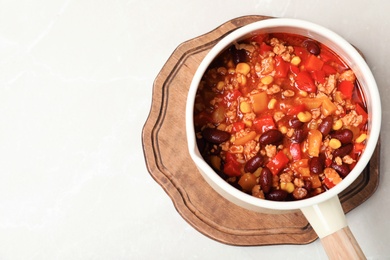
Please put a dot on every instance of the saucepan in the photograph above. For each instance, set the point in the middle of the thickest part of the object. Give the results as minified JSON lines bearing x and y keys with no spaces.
{"x":323,"y":211}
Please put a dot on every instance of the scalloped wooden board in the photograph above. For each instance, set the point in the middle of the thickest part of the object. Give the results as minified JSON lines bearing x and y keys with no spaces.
{"x":168,"y":162}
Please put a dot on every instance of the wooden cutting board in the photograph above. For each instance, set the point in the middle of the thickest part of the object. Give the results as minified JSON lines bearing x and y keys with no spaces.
{"x":167,"y":159}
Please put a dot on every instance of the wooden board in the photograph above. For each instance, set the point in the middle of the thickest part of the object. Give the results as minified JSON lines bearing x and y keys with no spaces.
{"x":168,"y":161}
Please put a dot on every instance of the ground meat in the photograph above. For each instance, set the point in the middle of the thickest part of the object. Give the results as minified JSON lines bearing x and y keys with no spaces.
{"x":267,"y":66}
{"x":286,"y":177}
{"x":347,"y":75}
{"x":352,"y":119}
{"x":257,"y":192}
{"x":299,"y":193}
{"x":270,"y":150}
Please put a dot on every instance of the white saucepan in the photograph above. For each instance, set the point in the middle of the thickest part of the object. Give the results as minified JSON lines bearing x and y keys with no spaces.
{"x":324,"y":211}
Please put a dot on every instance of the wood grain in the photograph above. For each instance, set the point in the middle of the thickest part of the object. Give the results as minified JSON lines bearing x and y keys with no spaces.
{"x":342,"y":245}
{"x":168,"y":162}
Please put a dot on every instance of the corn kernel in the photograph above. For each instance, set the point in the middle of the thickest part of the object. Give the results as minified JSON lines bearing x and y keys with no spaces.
{"x":272,"y":103}
{"x":258,"y":172}
{"x":287,"y":186}
{"x":267,"y":80}
{"x":221,"y":127}
{"x":303,"y":93}
{"x":245,"y":107}
{"x":243,"y":68}
{"x":361,"y":138}
{"x":283,"y":129}
{"x":334,"y":143}
{"x":241,"y":79}
{"x":304,"y":117}
{"x":295,"y":61}
{"x":337,"y":125}
{"x":231,"y":71}
{"x":247,"y":122}
{"x":220,"y":85}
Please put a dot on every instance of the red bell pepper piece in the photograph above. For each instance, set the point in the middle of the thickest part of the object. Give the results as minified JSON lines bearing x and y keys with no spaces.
{"x":264,"y":123}
{"x":296,"y":109}
{"x":277,"y":163}
{"x":301,"y":52}
{"x":231,"y":166}
{"x":328,"y":183}
{"x":319,"y":76}
{"x":264,"y":48}
{"x":313,"y":63}
{"x":358,"y":148}
{"x":281,"y":67}
{"x":346,"y":88}
{"x":328,"y":56}
{"x":362,"y":112}
{"x":305,"y":82}
{"x":295,"y":151}
{"x":329,"y":69}
{"x":229,"y":97}
{"x":294,"y":69}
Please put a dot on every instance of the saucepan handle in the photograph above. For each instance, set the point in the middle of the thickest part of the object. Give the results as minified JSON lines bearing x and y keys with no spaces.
{"x":329,"y":222}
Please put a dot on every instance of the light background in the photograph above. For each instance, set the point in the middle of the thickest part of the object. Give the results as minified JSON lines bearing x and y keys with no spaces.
{"x":75,"y":90}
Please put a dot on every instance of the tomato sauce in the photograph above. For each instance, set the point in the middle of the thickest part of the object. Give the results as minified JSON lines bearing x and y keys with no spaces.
{"x":280,"y":117}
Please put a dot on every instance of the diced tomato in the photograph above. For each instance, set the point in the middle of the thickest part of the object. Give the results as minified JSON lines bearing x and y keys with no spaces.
{"x":229,"y":97}
{"x":313,"y":63}
{"x":329,"y":69}
{"x":264,"y":123}
{"x":301,"y":52}
{"x":296,"y":109}
{"x":305,"y":82}
{"x":264,"y":48}
{"x":237,"y":126}
{"x":358,"y":148}
{"x":295,"y":151}
{"x":362,"y":112}
{"x":346,"y":88}
{"x":231,"y":166}
{"x":277,"y":163}
{"x":319,"y":76}
{"x":281,"y":67}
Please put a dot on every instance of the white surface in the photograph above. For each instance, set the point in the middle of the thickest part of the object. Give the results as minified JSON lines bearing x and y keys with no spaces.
{"x":75,"y":90}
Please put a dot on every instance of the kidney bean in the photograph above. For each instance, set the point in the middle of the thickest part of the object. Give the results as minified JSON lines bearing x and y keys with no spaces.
{"x":237,"y":55}
{"x":254,"y":163}
{"x":312,"y":47}
{"x":343,"y":150}
{"x":326,"y":125}
{"x":265,"y":180}
{"x":299,"y":136}
{"x":276,"y":195}
{"x":343,"y":169}
{"x":345,"y":136}
{"x":271,"y":136}
{"x":317,"y":164}
{"x":295,"y":123}
{"x":308,"y":185}
{"x":215,"y":136}
{"x":299,"y":193}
